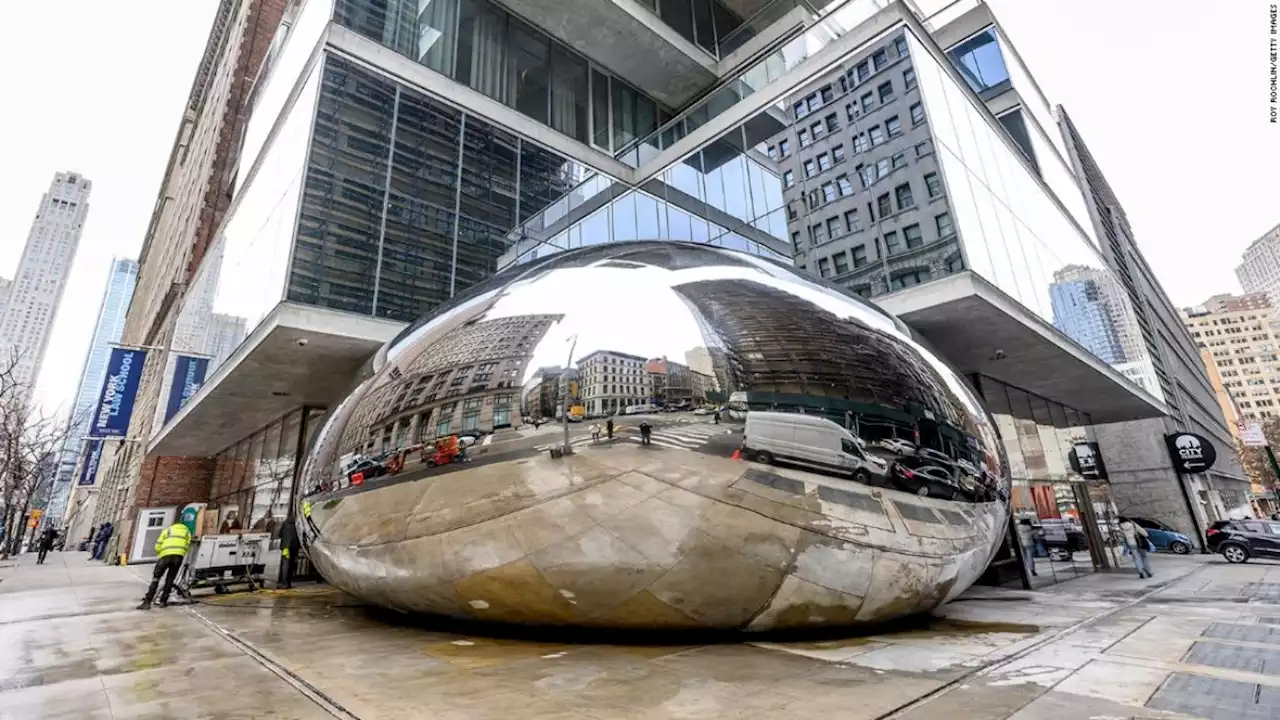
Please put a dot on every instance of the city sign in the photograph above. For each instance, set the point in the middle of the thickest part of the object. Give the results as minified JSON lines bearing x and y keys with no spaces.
{"x":1190,"y":453}
{"x":1086,"y":459}
{"x":1250,"y":433}
{"x":188,"y":376}
{"x":92,"y":456}
{"x":115,"y":403}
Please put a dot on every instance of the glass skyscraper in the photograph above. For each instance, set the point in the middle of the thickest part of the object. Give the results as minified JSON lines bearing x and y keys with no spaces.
{"x":110,"y":326}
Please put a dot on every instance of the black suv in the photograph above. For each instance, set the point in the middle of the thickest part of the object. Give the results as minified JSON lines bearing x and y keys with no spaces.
{"x":1239,"y":540}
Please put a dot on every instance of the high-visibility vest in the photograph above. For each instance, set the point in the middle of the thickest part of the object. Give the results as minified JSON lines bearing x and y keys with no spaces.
{"x":173,"y":540}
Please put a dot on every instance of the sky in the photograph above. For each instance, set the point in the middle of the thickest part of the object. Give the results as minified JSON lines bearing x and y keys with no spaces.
{"x":97,"y":88}
{"x":1172,"y":102}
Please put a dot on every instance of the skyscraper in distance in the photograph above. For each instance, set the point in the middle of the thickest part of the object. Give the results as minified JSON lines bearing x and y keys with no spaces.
{"x":36,"y":289}
{"x":110,"y":325}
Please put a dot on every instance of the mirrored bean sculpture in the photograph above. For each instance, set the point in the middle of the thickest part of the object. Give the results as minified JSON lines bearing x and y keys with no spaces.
{"x":656,"y":435}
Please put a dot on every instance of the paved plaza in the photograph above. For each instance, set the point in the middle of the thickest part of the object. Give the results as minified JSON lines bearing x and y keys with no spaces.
{"x":1202,"y":640}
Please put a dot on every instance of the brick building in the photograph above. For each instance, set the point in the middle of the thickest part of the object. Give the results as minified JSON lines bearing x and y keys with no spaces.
{"x":194,"y":197}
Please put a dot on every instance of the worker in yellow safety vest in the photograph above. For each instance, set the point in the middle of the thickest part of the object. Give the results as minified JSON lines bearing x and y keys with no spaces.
{"x":171,"y":547}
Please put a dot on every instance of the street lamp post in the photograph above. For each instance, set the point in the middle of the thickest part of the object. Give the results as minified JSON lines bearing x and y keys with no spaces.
{"x":564,"y":382}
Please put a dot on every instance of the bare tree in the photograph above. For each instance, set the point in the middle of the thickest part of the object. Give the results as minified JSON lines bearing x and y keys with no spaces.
{"x":30,"y":448}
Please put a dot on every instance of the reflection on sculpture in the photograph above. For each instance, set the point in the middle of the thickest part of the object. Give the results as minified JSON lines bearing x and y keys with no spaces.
{"x":807,"y":462}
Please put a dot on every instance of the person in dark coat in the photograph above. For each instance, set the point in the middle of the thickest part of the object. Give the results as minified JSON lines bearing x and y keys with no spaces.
{"x":47,"y":539}
{"x":100,"y":542}
{"x":289,"y":549}
{"x":609,"y":428}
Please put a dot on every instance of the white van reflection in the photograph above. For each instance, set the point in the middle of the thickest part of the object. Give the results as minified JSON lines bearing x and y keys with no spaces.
{"x":810,"y":441}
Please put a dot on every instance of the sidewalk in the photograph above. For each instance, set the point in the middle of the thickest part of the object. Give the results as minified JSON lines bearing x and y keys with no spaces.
{"x":1194,"y":640}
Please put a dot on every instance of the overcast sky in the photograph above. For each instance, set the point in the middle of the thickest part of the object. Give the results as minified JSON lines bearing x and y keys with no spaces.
{"x":1172,"y":103}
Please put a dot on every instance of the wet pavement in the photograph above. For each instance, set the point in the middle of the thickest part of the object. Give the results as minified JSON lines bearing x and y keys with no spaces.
{"x":1200,"y":640}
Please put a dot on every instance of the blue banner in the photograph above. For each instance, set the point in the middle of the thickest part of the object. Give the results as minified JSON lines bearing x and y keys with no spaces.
{"x":115,"y":404}
{"x":92,"y":455}
{"x":188,"y":376}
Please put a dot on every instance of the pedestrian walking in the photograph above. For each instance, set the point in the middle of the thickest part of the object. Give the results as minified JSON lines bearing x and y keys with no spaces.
{"x":1137,"y":543}
{"x":645,"y":430}
{"x":47,"y":539}
{"x":289,"y":549}
{"x":1027,"y":541}
{"x":171,"y":548}
{"x":609,"y":428}
{"x":595,"y":432}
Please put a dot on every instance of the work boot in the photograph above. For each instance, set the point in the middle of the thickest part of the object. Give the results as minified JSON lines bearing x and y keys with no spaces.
{"x":145,"y":605}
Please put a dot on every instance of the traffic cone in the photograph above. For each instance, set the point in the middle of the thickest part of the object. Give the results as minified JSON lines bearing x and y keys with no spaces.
{"x":737,"y":454}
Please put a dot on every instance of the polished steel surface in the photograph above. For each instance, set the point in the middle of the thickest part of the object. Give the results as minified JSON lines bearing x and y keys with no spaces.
{"x":747,"y":448}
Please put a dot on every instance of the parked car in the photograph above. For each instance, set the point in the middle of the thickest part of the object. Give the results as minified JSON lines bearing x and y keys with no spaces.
{"x":897,"y":446}
{"x":1163,"y":537}
{"x":1063,"y":537}
{"x":1240,"y":540}
{"x":810,"y":441}
{"x":926,"y":478}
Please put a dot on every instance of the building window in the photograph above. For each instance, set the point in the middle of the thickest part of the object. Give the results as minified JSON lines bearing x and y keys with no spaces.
{"x":917,"y":114}
{"x":891,"y":246}
{"x":851,"y":222}
{"x":842,"y":262}
{"x":818,"y":130}
{"x":833,"y":227}
{"x":814,"y":199}
{"x":828,"y":192}
{"x":868,"y":101}
{"x":819,"y":233}
{"x":788,"y":178}
{"x":824,"y":162}
{"x":883,"y":207}
{"x":933,"y":184}
{"x":784,"y":148}
{"x":893,"y":126}
{"x":809,"y":169}
{"x":867,"y":175}
{"x":846,"y":187}
{"x":980,"y":61}
{"x":903,"y":194}
{"x":844,"y":83}
{"x":805,"y":140}
{"x":860,"y":143}
{"x":913,"y":237}
{"x":900,"y":43}
{"x":909,"y":79}
{"x":791,"y":212}
{"x":924,"y":148}
{"x":833,"y":122}
{"x":801,"y":109}
{"x":876,"y":135}
{"x":885,"y":92}
{"x":824,"y":267}
{"x":907,"y":279}
{"x":795,"y":240}
{"x":850,"y":112}
{"x":773,"y":152}
{"x":827,"y":94}
{"x":859,"y":255}
{"x":837,"y":154}
{"x":945,"y":228}
{"x":899,"y":160}
{"x":863,"y":71}
{"x":879,"y":59}
{"x":882,"y":168}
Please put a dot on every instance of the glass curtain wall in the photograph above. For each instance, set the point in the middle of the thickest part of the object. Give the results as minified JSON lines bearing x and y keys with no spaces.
{"x":253,"y":480}
{"x":729,"y":194}
{"x":482,"y":46}
{"x":1055,"y":512}
{"x":1016,"y":236}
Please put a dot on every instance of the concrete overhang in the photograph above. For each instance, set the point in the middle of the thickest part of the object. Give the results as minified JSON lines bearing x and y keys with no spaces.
{"x":980,"y":329}
{"x":628,"y":40}
{"x":272,"y":372}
